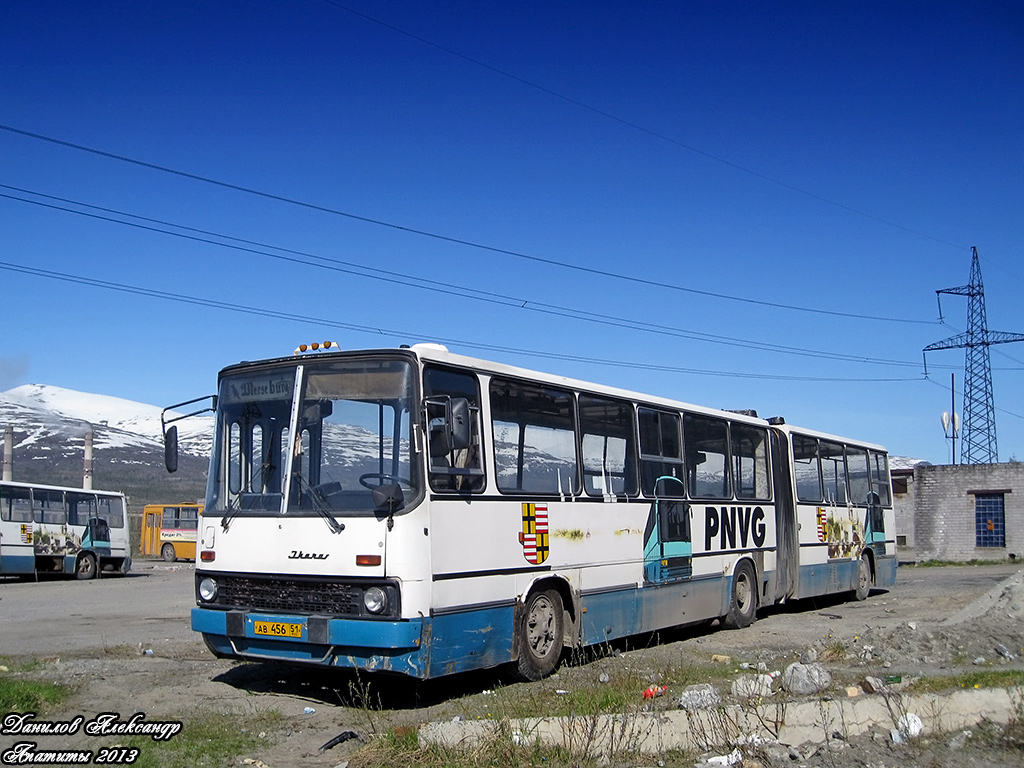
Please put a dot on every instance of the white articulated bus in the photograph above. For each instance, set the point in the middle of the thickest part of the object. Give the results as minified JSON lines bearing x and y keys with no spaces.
{"x":50,"y":529}
{"x":416,"y":511}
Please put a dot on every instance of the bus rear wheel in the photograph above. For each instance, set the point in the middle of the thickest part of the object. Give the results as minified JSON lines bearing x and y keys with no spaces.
{"x":743,"y":603}
{"x":86,"y":568}
{"x":863,"y":578}
{"x":167,"y":553}
{"x":540,"y":635}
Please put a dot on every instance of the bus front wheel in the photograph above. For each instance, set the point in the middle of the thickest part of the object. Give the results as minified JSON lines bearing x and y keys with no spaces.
{"x":86,"y":567}
{"x":168,"y":553}
{"x":743,"y":603}
{"x":540,"y":635}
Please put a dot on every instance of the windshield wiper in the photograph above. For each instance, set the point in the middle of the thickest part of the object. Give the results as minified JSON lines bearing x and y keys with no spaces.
{"x":320,"y":505}
{"x":229,"y":513}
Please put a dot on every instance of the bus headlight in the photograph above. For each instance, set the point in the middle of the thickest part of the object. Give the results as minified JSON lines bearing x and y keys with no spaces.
{"x":208,"y":590}
{"x":375,"y":599}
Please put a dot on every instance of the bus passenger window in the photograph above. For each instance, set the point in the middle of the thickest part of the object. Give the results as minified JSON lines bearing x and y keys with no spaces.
{"x":49,"y":507}
{"x":452,"y":468}
{"x":707,"y":456}
{"x":534,"y":438}
{"x":857,"y":466}
{"x":833,"y":472}
{"x":880,"y":477}
{"x":660,"y":453}
{"x":805,"y":469}
{"x":749,"y":447}
{"x":609,"y":460}
{"x":16,"y":505}
{"x":111,"y":509}
{"x":81,"y":506}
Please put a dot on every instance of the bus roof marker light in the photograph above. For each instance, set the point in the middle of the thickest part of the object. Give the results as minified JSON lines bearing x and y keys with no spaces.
{"x":316,"y":345}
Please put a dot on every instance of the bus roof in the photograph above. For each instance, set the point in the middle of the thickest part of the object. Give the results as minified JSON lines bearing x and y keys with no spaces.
{"x":45,"y":487}
{"x":438,"y":353}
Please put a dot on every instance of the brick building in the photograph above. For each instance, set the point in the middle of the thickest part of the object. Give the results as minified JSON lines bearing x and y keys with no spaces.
{"x":959,"y":513}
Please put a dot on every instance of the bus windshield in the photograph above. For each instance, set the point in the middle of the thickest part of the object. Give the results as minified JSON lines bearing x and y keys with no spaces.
{"x":321,"y":434}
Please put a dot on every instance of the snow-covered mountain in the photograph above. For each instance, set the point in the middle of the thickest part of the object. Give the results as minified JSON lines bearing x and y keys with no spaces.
{"x":116,"y":422}
{"x":50,"y":424}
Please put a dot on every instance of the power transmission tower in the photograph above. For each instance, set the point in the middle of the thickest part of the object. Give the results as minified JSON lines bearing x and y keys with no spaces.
{"x":978,"y":445}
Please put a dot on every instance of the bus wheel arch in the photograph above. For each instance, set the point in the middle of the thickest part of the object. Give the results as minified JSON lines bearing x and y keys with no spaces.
{"x":86,"y":566}
{"x":865,"y":575}
{"x":545,"y":622}
{"x":743,"y":596}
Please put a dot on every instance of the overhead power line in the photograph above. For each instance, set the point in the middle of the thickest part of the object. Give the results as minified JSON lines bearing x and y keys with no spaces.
{"x":393,"y":277}
{"x":400,"y":334}
{"x":450,"y":239}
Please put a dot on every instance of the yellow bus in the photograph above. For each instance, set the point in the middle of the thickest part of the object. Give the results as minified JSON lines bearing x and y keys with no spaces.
{"x":169,"y":530}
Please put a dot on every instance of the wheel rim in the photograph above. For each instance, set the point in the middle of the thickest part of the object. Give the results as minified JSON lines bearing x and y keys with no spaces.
{"x":864,"y":574}
{"x":540,"y":627}
{"x":743,"y":592}
{"x":85,"y":564}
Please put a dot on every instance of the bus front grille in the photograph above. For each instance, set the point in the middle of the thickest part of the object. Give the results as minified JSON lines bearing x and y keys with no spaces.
{"x":291,"y":596}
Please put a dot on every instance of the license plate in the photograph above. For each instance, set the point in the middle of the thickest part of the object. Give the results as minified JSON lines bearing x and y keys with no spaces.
{"x":277,"y":629}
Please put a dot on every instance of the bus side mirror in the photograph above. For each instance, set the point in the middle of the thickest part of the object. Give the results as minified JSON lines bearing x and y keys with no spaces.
{"x":171,"y":449}
{"x":458,"y":423}
{"x":452,"y":431}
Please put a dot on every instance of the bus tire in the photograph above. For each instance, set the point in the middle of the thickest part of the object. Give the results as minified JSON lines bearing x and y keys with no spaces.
{"x":86,"y":568}
{"x":540,"y":635}
{"x":743,"y":601}
{"x":863,"y":577}
{"x":167,"y":553}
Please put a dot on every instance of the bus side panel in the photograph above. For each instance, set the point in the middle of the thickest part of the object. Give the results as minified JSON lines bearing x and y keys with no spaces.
{"x":184,"y":550}
{"x":885,"y":571}
{"x":466,"y":640}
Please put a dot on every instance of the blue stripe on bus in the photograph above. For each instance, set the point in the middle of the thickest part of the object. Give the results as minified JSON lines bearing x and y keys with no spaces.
{"x":17,"y":564}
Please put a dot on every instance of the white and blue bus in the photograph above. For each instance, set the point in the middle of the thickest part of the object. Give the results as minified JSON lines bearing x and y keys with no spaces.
{"x":47,"y":529}
{"x":417,"y":511}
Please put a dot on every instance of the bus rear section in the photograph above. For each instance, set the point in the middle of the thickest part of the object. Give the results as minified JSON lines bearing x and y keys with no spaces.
{"x":169,"y":531}
{"x":53,"y":530}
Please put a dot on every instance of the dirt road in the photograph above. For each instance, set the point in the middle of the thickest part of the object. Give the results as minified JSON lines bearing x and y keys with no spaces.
{"x":126,"y":645}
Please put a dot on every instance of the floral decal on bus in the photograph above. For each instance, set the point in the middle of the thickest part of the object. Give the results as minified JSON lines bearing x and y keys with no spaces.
{"x":535,"y":533}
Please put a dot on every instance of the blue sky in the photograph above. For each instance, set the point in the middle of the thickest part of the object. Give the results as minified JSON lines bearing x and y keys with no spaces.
{"x":645,"y":195}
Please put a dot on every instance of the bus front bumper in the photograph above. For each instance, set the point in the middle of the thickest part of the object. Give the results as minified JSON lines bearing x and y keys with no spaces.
{"x":367,"y":644}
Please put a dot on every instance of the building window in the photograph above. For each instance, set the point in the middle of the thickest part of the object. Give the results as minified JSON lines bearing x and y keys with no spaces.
{"x":989,"y":520}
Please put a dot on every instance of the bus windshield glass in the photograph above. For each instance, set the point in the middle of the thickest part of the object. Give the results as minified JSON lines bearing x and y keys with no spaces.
{"x":320,"y":433}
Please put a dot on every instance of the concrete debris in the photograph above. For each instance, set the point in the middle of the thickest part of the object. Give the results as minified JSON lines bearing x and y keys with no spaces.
{"x":873,"y":685}
{"x":752,"y":686}
{"x":806,"y":678}
{"x":697,"y":697}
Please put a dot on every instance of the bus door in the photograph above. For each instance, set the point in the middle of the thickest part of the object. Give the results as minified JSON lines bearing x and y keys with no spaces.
{"x":668,"y":549}
{"x":151,"y":527}
{"x":874,"y":525}
{"x":97,"y":536}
